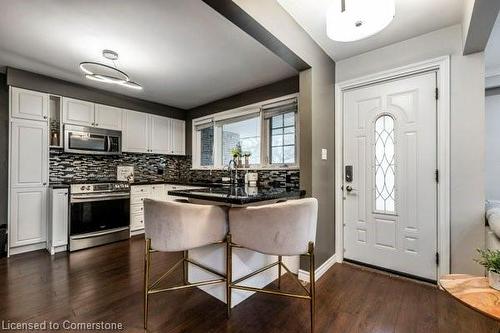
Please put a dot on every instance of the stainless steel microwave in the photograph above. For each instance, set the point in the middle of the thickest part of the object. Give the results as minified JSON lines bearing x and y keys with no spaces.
{"x":91,"y":140}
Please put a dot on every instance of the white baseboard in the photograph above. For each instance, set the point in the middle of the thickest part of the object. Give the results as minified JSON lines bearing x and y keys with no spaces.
{"x":304,"y":275}
{"x":27,"y":248}
{"x":136,"y":232}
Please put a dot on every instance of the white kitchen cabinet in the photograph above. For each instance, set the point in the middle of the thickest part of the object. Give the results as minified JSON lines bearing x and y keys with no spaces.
{"x":140,"y":192}
{"x":108,"y":117}
{"x":135,"y":134}
{"x":29,"y":160}
{"x":158,"y":192}
{"x":27,"y":104}
{"x":28,"y":216}
{"x":160,"y":135}
{"x":144,"y":133}
{"x":58,"y":221}
{"x":178,"y":137}
{"x":78,"y":112}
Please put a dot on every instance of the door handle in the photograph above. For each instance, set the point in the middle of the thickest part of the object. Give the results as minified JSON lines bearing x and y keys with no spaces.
{"x":349,"y":189}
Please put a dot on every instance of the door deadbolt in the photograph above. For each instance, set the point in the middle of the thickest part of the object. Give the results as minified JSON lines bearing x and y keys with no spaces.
{"x":348,"y":173}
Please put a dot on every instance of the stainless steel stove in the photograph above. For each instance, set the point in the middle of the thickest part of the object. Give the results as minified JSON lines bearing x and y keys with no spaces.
{"x":99,"y":214}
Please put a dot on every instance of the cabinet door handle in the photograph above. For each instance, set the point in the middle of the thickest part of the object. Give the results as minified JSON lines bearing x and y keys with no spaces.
{"x":97,"y":124}
{"x":44,"y":184}
{"x":44,"y":117}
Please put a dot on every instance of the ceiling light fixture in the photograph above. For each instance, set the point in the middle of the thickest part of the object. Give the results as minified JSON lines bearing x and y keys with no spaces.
{"x":107,"y":74}
{"x":351,"y":20}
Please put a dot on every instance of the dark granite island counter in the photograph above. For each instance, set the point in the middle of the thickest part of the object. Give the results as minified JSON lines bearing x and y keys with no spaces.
{"x":238,"y":195}
{"x":244,"y":261}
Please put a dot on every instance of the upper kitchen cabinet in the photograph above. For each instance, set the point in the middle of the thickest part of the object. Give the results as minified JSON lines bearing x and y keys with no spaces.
{"x":27,"y":104}
{"x":78,"y":112}
{"x":83,"y":113}
{"x":144,"y":133}
{"x":29,"y":153}
{"x":108,"y":117}
{"x":160,"y":135}
{"x":135,"y":134}
{"x":178,"y":137}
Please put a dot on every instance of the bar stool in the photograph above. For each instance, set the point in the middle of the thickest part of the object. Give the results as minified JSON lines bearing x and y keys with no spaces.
{"x":280,"y":229}
{"x":178,"y":226}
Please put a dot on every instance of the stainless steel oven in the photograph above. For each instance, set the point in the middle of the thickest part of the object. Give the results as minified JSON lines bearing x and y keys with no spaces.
{"x":99,"y":214}
{"x":91,"y":140}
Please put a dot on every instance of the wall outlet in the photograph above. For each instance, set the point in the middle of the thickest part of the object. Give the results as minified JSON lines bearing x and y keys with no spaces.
{"x":324,"y":154}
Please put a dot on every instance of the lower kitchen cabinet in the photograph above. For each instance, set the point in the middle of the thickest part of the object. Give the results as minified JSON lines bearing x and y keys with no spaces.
{"x":140,"y":192}
{"x":28,"y":219}
{"x":58,"y":220}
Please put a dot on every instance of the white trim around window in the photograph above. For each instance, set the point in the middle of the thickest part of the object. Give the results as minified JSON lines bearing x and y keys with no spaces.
{"x":247,"y":110}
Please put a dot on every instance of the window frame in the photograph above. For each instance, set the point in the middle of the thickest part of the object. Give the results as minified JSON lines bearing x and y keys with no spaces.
{"x":268,"y":145}
{"x":265,"y":136}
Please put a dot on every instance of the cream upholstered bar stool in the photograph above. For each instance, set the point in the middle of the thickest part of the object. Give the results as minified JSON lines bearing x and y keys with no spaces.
{"x":180,"y":226}
{"x":280,"y":229}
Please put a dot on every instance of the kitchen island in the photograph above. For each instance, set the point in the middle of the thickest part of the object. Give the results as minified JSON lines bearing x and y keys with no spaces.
{"x":238,"y":195}
{"x":244,"y":261}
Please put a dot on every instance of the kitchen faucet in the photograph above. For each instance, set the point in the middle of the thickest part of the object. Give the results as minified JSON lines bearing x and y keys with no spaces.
{"x":235,"y":168}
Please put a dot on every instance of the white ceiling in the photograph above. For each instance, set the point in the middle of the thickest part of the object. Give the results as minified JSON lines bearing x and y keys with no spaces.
{"x":492,"y":57}
{"x":183,"y":53}
{"x":413,"y":18}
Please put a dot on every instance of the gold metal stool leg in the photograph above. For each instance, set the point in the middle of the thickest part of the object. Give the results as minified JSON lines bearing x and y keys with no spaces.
{"x":147,"y":264}
{"x":280,"y":259}
{"x":229,"y":279}
{"x":185,"y":273}
{"x":312,"y":284}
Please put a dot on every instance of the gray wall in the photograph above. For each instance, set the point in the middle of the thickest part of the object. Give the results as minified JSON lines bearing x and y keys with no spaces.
{"x":28,"y":80}
{"x":467,"y":129}
{"x":269,"y":91}
{"x":492,"y":154}
{"x":4,"y":147}
{"x":317,"y":94}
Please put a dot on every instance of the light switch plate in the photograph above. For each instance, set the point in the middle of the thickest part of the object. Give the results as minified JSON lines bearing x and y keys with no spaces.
{"x":324,"y":154}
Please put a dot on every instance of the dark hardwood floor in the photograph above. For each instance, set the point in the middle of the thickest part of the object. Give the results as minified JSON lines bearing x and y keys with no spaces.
{"x":105,"y":284}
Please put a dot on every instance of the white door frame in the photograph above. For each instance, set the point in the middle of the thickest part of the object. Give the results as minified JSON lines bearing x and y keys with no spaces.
{"x":442,"y":66}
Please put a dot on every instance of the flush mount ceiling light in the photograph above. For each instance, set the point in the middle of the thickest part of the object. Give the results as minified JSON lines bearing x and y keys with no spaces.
{"x":107,"y":74}
{"x":351,"y":20}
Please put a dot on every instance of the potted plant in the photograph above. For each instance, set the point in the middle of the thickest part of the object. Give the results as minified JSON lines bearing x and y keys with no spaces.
{"x":236,"y":152}
{"x":491,"y":261}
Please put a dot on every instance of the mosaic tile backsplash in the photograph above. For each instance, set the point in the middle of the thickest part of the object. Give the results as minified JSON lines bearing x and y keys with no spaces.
{"x":66,"y":167}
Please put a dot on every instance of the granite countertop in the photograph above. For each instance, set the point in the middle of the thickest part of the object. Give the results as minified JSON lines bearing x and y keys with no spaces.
{"x":239,"y":195}
{"x":66,"y":184}
{"x":59,"y":185}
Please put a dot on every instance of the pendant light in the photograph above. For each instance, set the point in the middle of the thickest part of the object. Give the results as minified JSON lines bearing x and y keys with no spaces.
{"x":107,"y":74}
{"x":351,"y":20}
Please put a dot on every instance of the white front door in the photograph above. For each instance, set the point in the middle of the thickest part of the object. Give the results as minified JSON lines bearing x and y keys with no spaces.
{"x":390,"y":185}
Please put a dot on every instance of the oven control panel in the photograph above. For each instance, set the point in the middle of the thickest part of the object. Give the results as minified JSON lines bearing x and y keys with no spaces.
{"x":100,"y":187}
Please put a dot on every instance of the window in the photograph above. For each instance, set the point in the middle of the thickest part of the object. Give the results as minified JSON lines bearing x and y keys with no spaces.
{"x":267,"y":132}
{"x":205,"y":143}
{"x":282,"y":141}
{"x":243,"y":132}
{"x":385,"y":173}
{"x":282,"y":149}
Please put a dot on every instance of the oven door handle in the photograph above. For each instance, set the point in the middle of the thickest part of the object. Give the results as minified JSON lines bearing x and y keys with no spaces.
{"x":75,"y":198}
{"x":98,"y":233}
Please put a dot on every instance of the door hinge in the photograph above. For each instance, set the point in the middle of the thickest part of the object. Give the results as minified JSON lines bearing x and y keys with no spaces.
{"x":437,"y":258}
{"x":437,"y":175}
{"x":437,"y":93}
